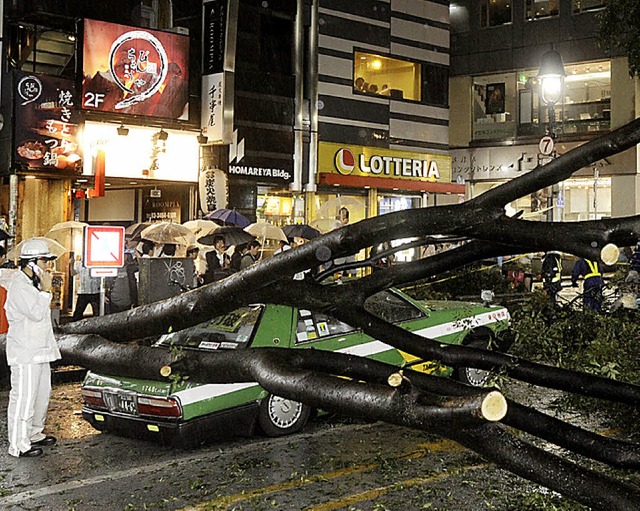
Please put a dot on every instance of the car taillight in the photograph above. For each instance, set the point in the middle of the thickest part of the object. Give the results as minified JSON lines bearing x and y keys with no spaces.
{"x":93,"y":398}
{"x":159,"y":407}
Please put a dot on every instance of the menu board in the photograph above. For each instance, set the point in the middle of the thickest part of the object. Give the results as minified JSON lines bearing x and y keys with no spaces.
{"x":46,"y":123}
{"x":135,"y":71}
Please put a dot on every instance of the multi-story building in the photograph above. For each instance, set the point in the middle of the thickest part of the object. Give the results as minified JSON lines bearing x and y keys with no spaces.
{"x":498,"y":118}
{"x":307,"y":106}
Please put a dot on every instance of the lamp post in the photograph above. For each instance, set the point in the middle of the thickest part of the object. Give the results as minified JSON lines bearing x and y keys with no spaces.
{"x":551,"y":77}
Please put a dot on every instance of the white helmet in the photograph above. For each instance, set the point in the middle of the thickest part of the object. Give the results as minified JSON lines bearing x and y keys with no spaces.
{"x":35,"y":249}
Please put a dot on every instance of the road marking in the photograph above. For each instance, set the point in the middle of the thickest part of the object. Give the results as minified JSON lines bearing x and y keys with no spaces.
{"x":427,"y":448}
{"x":356,"y":498}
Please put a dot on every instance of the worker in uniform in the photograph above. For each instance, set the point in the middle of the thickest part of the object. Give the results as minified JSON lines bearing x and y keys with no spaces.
{"x":593,"y":283}
{"x":552,"y":273}
{"x":30,"y":347}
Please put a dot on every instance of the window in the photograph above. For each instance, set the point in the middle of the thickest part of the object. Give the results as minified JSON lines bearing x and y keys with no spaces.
{"x":578,"y":6}
{"x":435,"y":85}
{"x":386,"y":76}
{"x":585,"y":106}
{"x":495,"y":13}
{"x":494,"y":106}
{"x":230,"y":331}
{"x":542,"y":8}
{"x":391,"y":307}
{"x":314,"y":326}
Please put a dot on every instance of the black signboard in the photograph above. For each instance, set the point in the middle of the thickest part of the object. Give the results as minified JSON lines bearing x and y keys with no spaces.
{"x":46,"y":124}
{"x":162,"y":206}
{"x":215,"y":29}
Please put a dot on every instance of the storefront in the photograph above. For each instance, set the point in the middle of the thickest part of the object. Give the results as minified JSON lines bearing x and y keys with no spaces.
{"x":586,"y":196}
{"x":371,"y":181}
{"x":508,"y":105}
{"x":147,"y":175}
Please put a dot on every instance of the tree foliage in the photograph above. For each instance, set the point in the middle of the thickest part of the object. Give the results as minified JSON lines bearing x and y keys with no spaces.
{"x":619,"y":31}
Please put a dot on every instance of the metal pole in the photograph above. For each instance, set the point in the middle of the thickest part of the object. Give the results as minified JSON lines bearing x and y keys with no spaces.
{"x":552,"y":134}
{"x":102,"y":295}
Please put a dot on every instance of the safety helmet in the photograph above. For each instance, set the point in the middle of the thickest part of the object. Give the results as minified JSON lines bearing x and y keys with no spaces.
{"x":35,"y":249}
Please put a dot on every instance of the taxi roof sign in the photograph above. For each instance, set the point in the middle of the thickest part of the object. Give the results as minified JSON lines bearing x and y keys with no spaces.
{"x":103,"y":246}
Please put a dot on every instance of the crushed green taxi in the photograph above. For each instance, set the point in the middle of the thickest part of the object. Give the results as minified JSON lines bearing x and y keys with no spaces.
{"x":187,"y":413}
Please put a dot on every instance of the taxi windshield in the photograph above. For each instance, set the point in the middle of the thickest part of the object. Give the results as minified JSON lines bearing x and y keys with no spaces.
{"x":230,"y":331}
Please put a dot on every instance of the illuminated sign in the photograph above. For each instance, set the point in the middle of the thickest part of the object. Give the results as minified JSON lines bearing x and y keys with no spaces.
{"x":46,"y":123}
{"x":135,"y":71}
{"x":375,"y":162}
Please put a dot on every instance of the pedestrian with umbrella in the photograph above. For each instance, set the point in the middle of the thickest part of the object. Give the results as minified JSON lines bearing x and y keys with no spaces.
{"x":218,"y":260}
{"x":265,"y":231}
{"x":250,"y":256}
{"x":168,"y":233}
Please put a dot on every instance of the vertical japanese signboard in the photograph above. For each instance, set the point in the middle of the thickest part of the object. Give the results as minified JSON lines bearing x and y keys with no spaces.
{"x":46,"y":123}
{"x":218,"y":65}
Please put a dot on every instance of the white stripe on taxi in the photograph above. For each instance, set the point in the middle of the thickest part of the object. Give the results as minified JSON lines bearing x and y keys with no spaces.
{"x":210,"y":390}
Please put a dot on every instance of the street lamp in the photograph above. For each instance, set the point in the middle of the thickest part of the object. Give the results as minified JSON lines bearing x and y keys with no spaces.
{"x":551,"y":77}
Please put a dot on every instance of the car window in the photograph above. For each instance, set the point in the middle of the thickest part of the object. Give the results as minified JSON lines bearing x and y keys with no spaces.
{"x":392,"y":307}
{"x":314,"y":326}
{"x":230,"y":331}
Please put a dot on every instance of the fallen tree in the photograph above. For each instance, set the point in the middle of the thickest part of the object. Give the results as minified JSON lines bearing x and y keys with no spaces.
{"x":475,"y":418}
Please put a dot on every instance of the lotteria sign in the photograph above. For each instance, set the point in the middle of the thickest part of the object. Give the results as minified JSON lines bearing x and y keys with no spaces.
{"x":375,"y":162}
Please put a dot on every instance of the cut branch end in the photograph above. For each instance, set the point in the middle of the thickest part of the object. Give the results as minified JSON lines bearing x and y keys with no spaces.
{"x":494,"y":406}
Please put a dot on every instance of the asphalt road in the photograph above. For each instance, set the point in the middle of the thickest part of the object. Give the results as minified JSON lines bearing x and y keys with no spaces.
{"x":333,"y":464}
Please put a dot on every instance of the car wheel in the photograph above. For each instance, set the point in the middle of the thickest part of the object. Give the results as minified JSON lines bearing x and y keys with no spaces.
{"x":279,"y":416}
{"x":471,"y":375}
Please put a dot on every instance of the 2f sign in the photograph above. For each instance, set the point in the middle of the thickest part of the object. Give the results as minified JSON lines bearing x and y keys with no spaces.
{"x":546,"y":146}
{"x":93,"y":99}
{"x":103,"y":246}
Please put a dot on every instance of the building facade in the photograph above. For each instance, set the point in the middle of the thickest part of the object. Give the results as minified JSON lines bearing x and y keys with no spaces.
{"x":498,"y":118}
{"x":305,"y":106}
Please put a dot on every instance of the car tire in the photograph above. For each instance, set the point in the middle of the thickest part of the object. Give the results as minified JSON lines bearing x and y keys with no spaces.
{"x":471,"y":375}
{"x":279,"y":416}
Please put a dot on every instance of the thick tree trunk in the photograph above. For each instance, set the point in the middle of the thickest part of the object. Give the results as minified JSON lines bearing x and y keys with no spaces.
{"x":450,"y":409}
{"x":423,"y":402}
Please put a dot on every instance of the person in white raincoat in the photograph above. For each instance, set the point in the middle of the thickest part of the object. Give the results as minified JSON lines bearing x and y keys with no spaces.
{"x":31,"y":346}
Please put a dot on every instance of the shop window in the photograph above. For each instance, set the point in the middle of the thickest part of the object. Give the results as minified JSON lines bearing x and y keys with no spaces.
{"x":385,"y":76}
{"x":585,"y":107}
{"x":542,"y":8}
{"x":578,"y":6}
{"x":494,"y":13}
{"x":389,"y":203}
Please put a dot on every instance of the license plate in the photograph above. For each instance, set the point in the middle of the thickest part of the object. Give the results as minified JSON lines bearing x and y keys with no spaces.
{"x":125,"y":403}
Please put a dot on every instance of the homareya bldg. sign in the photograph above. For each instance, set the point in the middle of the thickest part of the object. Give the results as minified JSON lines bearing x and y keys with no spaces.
{"x":383,"y":168}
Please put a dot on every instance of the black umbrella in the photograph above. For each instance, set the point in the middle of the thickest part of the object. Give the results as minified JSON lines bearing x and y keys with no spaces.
{"x":232,"y":235}
{"x":300,"y":231}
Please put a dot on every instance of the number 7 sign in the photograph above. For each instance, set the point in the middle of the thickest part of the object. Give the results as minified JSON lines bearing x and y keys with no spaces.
{"x":546,"y":146}
{"x":103,"y":246}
